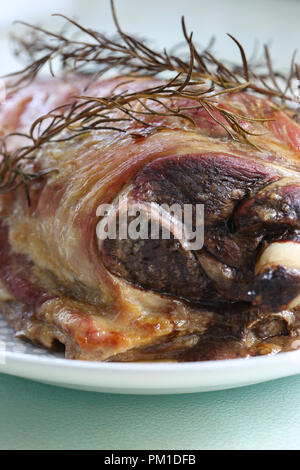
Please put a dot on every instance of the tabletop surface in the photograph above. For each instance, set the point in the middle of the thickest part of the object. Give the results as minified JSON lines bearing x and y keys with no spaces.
{"x":266,"y":416}
{"x":38,"y":416}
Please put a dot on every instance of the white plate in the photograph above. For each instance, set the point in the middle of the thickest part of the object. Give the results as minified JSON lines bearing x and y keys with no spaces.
{"x":22,"y":359}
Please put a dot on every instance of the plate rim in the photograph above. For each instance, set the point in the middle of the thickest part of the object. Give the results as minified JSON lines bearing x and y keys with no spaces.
{"x":152,"y":365}
{"x":152,"y":378}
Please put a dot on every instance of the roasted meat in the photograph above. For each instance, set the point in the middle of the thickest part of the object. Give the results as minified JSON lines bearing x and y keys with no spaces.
{"x":153,"y":299}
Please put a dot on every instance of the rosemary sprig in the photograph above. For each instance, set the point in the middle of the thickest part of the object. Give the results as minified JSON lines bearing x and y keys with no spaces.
{"x":197,"y":79}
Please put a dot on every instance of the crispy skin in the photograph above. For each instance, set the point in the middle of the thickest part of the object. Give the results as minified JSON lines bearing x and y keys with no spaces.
{"x":126,"y":300}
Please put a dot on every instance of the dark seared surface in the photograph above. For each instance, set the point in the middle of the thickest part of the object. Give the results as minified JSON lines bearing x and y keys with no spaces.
{"x":161,"y":265}
{"x":246,"y":207}
{"x":219,"y":181}
{"x":236,"y":331}
{"x":278,"y":286}
{"x":274,"y":209}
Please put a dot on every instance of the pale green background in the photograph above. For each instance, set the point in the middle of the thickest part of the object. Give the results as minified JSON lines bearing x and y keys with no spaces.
{"x":35,"y":416}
